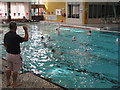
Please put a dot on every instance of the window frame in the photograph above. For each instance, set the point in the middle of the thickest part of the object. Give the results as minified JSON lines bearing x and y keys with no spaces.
{"x":71,"y":7}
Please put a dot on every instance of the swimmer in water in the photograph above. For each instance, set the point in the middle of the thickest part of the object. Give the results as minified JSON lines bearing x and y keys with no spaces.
{"x":57,"y":31}
{"x":117,"y":40}
{"x":89,"y":33}
{"x":61,"y":53}
{"x":86,"y":51}
{"x":49,"y":39}
{"x":42,"y":38}
{"x":73,"y":38}
{"x":45,"y":45}
{"x":56,"y":52}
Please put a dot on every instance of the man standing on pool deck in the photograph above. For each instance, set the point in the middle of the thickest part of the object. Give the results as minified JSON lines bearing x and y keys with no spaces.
{"x":12,"y":45}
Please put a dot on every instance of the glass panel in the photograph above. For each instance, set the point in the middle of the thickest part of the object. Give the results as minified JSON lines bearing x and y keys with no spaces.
{"x":37,"y":2}
{"x":90,"y":11}
{"x":118,"y":10}
{"x":18,"y":10}
{"x":3,"y":10}
{"x":101,"y":11}
{"x":73,"y":10}
{"x":36,"y":11}
{"x":69,"y":11}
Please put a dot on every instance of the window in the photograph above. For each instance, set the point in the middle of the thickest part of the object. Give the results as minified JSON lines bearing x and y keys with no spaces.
{"x":37,"y":2}
{"x":73,"y":10}
{"x":37,"y":11}
{"x":118,"y":10}
{"x":3,"y":10}
{"x":18,"y":10}
{"x":102,"y":11}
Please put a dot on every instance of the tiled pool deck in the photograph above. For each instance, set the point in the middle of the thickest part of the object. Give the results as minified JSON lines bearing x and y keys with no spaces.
{"x":28,"y":80}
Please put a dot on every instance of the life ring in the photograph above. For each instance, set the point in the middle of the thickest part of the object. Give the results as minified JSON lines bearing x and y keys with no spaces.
{"x":63,"y":14}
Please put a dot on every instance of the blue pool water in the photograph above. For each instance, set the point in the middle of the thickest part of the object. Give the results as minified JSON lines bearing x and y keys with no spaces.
{"x":96,"y":68}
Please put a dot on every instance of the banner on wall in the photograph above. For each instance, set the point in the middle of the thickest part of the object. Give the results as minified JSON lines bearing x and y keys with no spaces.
{"x":31,"y":13}
{"x":0,"y":14}
{"x":51,"y":17}
{"x":26,"y":13}
{"x":42,"y":13}
{"x":48,"y":12}
{"x":18,"y":14}
{"x":14,"y":14}
{"x":58,"y":11}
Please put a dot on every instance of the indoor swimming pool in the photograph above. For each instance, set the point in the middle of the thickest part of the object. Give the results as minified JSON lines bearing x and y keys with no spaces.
{"x":89,"y":62}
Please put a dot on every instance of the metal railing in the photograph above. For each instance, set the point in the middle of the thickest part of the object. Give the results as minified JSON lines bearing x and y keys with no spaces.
{"x":110,"y":20}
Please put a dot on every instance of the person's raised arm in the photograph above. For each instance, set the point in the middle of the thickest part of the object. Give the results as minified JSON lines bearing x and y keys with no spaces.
{"x":26,"y":33}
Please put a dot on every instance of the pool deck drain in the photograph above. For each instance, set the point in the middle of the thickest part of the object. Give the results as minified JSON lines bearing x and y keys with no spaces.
{"x":28,"y":81}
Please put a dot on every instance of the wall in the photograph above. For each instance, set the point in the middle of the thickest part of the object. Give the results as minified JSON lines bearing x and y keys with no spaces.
{"x":15,"y":8}
{"x":52,"y":6}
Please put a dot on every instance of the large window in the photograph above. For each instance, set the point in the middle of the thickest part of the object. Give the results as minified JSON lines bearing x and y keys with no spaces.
{"x":37,"y":11}
{"x":3,"y":10}
{"x":73,"y":10}
{"x":38,"y":2}
{"x":104,"y":11}
{"x":18,"y":10}
{"x":118,"y":9}
{"x":38,"y":7}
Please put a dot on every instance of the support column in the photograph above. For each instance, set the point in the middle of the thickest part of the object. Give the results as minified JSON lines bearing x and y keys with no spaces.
{"x":114,"y":10}
{"x":30,"y":11}
{"x":84,"y":12}
{"x":9,"y":11}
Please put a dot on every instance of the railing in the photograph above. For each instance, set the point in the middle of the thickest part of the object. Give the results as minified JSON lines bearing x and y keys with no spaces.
{"x":110,"y":20}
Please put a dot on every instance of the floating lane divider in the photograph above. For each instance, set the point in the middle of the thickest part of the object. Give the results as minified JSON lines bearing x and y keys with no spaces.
{"x":75,"y":27}
{"x":90,"y":28}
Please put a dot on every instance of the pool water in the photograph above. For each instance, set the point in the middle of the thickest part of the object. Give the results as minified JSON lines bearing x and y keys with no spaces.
{"x":96,"y":68}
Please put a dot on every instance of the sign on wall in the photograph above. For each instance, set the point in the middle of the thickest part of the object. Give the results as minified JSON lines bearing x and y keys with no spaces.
{"x":58,"y":11}
{"x":51,"y":17}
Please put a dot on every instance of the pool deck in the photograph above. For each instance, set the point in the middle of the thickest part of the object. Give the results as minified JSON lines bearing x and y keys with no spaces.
{"x":102,"y":25}
{"x":28,"y":80}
